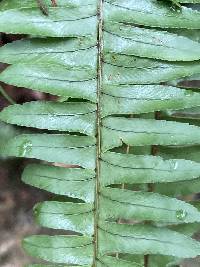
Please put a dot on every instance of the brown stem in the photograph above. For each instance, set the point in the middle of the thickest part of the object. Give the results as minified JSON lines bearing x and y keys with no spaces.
{"x":98,"y":154}
{"x":146,"y":260}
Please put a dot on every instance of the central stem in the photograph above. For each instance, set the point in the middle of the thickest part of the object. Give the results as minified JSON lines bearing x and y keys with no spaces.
{"x":146,"y":260}
{"x":98,"y":137}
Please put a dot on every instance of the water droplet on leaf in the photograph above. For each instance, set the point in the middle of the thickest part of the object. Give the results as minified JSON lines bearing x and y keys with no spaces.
{"x":181,"y":214}
{"x":175,"y":165}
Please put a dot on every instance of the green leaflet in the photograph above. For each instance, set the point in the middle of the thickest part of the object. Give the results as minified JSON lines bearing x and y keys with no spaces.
{"x":145,"y":239}
{"x":188,"y":229}
{"x":191,"y":34}
{"x":60,"y":148}
{"x":72,"y":117}
{"x":130,"y":40}
{"x":60,"y":22}
{"x":31,"y":3}
{"x":72,"y":182}
{"x":66,"y":52}
{"x":190,"y":152}
{"x":141,"y":132}
{"x":76,"y":83}
{"x":179,"y":188}
{"x":76,"y":217}
{"x":60,"y":249}
{"x":167,"y":261}
{"x":54,"y":79}
{"x":154,"y":260}
{"x":105,"y":261}
{"x":151,"y":13}
{"x":184,"y":187}
{"x":119,"y":168}
{"x":128,"y":99}
{"x":109,"y":261}
{"x":117,"y":203}
{"x":123,"y":69}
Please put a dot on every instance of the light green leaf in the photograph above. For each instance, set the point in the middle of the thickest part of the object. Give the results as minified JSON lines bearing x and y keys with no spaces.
{"x":60,"y":249}
{"x":60,"y":148}
{"x":126,"y":204}
{"x":107,"y":261}
{"x":187,"y":229}
{"x":72,"y":182}
{"x":144,"y":239}
{"x":191,"y":34}
{"x":123,"y":69}
{"x":141,"y":132}
{"x":179,"y":188}
{"x":165,"y":261}
{"x":185,"y":187}
{"x":129,"y":40}
{"x":128,"y":99}
{"x":61,"y":21}
{"x":53,"y":79}
{"x":190,"y":152}
{"x":76,"y":217}
{"x":119,"y":168}
{"x":151,"y":13}
{"x":153,"y":260}
{"x":72,"y":117}
{"x":69,"y":52}
{"x":33,"y":4}
{"x":133,"y":257}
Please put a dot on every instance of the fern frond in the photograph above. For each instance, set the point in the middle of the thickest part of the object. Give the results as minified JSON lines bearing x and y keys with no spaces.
{"x":116,"y":64}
